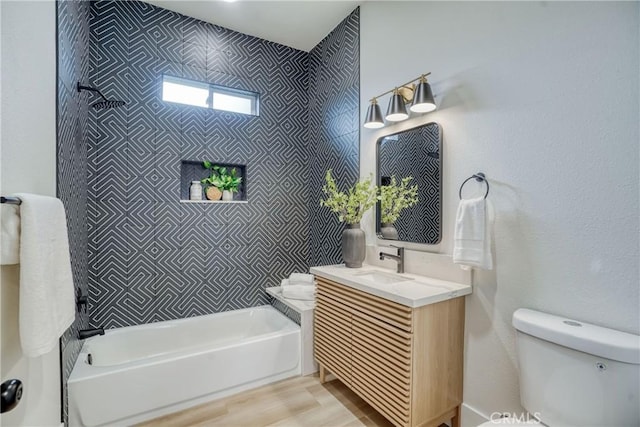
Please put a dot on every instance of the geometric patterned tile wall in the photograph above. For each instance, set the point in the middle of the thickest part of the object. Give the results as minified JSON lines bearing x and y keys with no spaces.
{"x":334,"y":130}
{"x":408,"y":155}
{"x":73,"y":130}
{"x":152,"y":258}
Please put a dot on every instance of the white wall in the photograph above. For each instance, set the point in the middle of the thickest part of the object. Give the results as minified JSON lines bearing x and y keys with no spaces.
{"x":543,"y":98}
{"x":28,"y":159}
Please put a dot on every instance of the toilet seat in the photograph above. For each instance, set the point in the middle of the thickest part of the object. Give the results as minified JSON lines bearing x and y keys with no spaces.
{"x":507,"y":422}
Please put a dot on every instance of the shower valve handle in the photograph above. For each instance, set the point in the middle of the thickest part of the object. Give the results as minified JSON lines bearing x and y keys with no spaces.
{"x":81,"y":301}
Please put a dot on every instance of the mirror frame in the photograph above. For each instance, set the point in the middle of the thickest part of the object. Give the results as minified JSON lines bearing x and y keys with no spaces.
{"x":378,"y":183}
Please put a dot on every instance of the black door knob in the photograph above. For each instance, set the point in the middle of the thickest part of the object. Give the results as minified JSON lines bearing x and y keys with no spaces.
{"x":10,"y":393}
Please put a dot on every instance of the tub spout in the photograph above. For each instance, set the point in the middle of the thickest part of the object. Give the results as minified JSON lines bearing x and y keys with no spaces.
{"x":88,"y":333}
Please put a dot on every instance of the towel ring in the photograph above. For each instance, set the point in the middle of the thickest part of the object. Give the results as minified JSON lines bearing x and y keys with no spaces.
{"x":480,"y":177}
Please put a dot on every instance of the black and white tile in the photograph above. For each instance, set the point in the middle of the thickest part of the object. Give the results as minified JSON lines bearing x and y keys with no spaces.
{"x":73,"y":132}
{"x":334,"y":130}
{"x":151,"y":257}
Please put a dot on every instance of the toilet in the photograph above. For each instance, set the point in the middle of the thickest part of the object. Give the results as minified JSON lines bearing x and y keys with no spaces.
{"x":573,"y":374}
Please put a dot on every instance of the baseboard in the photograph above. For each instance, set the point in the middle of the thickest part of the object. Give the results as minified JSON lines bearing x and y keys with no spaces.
{"x":471,"y":417}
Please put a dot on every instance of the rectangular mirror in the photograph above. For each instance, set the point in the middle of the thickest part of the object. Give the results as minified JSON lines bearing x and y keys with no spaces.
{"x":409,"y":173}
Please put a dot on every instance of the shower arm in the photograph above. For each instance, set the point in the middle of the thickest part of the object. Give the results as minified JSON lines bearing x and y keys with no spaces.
{"x":80,"y":88}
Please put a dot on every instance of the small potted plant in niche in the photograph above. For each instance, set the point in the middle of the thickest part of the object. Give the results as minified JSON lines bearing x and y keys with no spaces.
{"x":350,"y":207}
{"x":220,"y":183}
{"x":393,"y":199}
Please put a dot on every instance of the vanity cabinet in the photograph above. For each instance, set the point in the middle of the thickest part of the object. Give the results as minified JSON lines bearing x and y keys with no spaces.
{"x":405,"y":362}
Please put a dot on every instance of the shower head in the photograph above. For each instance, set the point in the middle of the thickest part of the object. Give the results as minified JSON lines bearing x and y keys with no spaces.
{"x":105,"y":103}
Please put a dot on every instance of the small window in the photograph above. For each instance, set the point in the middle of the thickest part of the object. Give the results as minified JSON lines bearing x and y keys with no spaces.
{"x":200,"y":94}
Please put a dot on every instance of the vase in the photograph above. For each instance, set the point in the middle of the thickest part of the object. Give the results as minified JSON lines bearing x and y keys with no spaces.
{"x":353,"y":246}
{"x":388,"y":231}
{"x":195,"y":190}
{"x":227,"y":195}
{"x":213,"y":193}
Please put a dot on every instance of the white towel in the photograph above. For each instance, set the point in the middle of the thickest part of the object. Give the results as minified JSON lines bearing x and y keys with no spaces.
{"x":297,"y":292}
{"x":46,"y":284}
{"x":10,"y":242}
{"x":301,"y":279}
{"x":472,"y":236}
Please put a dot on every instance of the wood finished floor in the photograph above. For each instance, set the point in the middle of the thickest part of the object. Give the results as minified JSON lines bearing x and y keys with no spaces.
{"x":295,"y":402}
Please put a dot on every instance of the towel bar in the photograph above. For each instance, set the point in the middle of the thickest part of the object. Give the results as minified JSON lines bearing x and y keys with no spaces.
{"x":10,"y":200}
{"x":480,"y":177}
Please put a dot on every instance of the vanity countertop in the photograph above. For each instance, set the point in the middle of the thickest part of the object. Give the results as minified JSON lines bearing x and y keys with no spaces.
{"x":407,"y":289}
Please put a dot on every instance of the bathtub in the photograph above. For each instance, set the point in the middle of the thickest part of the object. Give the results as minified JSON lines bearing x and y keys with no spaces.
{"x":141,"y":372}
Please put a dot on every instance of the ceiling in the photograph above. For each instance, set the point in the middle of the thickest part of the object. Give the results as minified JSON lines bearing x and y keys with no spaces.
{"x":300,"y":24}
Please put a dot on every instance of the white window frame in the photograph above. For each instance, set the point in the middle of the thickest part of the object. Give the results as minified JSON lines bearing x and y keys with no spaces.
{"x":253,"y":97}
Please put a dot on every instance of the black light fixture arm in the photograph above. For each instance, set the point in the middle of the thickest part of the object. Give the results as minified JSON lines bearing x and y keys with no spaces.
{"x":422,"y":76}
{"x":80,"y":88}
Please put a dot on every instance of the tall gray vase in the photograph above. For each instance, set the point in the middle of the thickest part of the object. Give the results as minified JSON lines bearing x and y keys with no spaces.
{"x":353,"y":246}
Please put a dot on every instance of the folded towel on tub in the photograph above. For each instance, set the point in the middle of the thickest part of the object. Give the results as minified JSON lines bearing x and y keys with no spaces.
{"x":298,"y":292}
{"x":301,"y":279}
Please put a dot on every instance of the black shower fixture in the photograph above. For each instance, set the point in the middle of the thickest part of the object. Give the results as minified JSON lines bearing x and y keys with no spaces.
{"x":434,"y":154}
{"x":105,"y":103}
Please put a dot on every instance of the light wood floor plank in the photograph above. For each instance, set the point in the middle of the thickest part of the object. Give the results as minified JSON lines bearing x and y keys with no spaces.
{"x":295,"y":402}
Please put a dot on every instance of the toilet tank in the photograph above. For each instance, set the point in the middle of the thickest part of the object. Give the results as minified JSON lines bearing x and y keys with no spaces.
{"x":576,"y":374}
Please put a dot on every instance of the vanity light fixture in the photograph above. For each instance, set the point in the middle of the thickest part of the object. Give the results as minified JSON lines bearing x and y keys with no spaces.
{"x":423,"y":97}
{"x":397,"y":110}
{"x":374,"y":118}
{"x":419,"y":96}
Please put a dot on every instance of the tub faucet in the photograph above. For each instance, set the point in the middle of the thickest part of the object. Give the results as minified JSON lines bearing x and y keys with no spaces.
{"x":88,"y":333}
{"x":398,"y":258}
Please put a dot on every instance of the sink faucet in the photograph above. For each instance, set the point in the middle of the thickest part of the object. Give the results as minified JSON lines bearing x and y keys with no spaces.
{"x":397,"y":258}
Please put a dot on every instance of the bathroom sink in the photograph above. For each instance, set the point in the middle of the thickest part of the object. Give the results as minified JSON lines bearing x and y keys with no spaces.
{"x":382,"y":278}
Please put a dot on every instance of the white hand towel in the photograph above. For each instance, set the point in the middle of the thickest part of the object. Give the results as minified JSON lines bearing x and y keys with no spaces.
{"x":301,"y":279}
{"x":472,"y":235}
{"x":10,"y":242}
{"x":299,"y":292}
{"x":46,"y":284}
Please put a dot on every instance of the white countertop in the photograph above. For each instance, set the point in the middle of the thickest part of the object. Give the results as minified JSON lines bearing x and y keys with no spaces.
{"x":415,"y":292}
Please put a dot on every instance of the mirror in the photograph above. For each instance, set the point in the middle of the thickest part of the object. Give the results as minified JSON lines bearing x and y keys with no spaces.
{"x":410,"y":163}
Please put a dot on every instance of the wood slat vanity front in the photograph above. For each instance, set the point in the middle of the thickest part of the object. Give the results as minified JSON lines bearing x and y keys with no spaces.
{"x":405,"y":362}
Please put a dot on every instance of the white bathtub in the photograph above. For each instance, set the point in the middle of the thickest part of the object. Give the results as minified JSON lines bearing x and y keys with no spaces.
{"x":141,"y":372}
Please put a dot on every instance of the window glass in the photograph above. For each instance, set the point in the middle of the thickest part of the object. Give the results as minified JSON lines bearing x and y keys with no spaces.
{"x":200,"y":94}
{"x":235,"y":103}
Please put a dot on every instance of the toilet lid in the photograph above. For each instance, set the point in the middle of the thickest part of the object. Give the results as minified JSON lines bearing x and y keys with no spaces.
{"x":506,"y":422}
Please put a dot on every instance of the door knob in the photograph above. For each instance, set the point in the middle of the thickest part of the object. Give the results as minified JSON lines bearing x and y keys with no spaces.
{"x":10,"y":394}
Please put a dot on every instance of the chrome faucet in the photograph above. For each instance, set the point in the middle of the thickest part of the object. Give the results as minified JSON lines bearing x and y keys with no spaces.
{"x":397,"y":258}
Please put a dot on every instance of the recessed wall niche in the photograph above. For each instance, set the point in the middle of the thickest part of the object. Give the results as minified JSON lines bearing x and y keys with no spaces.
{"x":193,"y":170}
